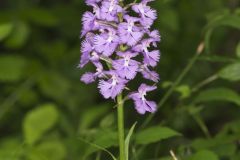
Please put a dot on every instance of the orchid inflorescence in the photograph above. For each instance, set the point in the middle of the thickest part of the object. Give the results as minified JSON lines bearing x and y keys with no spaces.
{"x":114,"y":41}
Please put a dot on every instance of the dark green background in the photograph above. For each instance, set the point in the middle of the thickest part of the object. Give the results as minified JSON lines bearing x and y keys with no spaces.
{"x":46,"y":113}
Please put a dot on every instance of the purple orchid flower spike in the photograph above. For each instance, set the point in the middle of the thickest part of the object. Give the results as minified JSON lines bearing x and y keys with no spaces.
{"x":141,"y":104}
{"x":120,"y":47}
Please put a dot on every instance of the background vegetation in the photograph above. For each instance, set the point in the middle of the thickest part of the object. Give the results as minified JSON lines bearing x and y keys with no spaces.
{"x":46,"y":113}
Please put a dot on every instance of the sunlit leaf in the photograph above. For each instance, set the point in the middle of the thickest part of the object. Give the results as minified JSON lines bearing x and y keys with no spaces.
{"x":155,"y":134}
{"x":11,"y":68}
{"x":5,"y":30}
{"x":127,"y":140}
{"x":218,"y":94}
{"x":39,"y":121}
{"x":231,"y":72}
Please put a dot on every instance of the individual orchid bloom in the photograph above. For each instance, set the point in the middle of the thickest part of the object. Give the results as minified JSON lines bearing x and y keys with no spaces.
{"x":148,"y":15}
{"x":110,"y":10}
{"x":148,"y":74}
{"x":129,"y":33}
{"x":90,"y":77}
{"x":150,"y":57}
{"x":88,"y":51}
{"x":125,"y":66}
{"x":141,"y":104}
{"x":106,"y":43}
{"x":155,"y":37}
{"x":113,"y":86}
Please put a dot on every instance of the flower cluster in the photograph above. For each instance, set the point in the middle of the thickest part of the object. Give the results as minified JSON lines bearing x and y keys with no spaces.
{"x":120,"y":46}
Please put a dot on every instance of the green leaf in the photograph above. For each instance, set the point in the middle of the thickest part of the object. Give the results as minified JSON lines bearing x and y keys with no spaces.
{"x":155,"y":134}
{"x":204,"y":155}
{"x":50,"y":150}
{"x":11,"y":148}
{"x":11,"y":68}
{"x":105,"y":138}
{"x":184,"y":90}
{"x":107,"y":121}
{"x":54,"y":85}
{"x":92,"y":115}
{"x":231,"y":72}
{"x":99,"y":148}
{"x":19,"y":36}
{"x":127,"y":140}
{"x":218,"y":94}
{"x":224,"y":19}
{"x":238,"y":50}
{"x":5,"y":30}
{"x":39,"y":121}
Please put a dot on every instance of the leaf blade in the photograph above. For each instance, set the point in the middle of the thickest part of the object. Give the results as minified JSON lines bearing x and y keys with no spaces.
{"x":127,"y":140}
{"x":157,"y":133}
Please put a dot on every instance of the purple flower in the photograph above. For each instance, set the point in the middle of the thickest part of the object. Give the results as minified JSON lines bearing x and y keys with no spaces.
{"x":129,"y":33}
{"x":148,"y":15}
{"x":88,"y":51}
{"x":125,"y":66}
{"x":90,"y":77}
{"x":120,"y":46}
{"x":150,"y":57}
{"x":141,"y":104}
{"x":106,"y":43}
{"x":113,"y":86}
{"x":148,"y":74}
{"x":110,"y":9}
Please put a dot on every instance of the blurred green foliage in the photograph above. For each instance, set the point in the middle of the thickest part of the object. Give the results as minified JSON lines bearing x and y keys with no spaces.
{"x":47,"y":114}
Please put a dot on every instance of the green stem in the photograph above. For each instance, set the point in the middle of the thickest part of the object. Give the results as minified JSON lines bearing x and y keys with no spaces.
{"x":120,"y":111}
{"x":205,"y":82}
{"x":202,"y":125}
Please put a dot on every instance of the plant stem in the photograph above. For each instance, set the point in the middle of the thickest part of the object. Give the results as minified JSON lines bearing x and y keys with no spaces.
{"x":205,"y":82}
{"x":120,"y":111}
{"x":202,"y":125}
